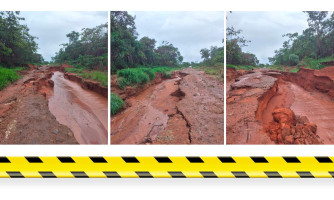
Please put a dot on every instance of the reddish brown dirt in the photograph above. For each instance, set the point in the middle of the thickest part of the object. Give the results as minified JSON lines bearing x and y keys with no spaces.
{"x":187,"y":109}
{"x":24,"y":114}
{"x":88,"y":84}
{"x":297,"y":109}
{"x":84,"y":111}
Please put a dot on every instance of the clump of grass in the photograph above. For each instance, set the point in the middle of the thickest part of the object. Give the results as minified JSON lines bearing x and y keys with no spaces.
{"x":116,"y":103}
{"x":122,"y":83}
{"x":295,"y":70}
{"x":8,"y":76}
{"x":99,"y":76}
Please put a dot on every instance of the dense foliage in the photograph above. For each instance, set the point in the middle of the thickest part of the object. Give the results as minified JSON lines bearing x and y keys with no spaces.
{"x":88,"y":49}
{"x":127,"y":51}
{"x":316,"y":42}
{"x":212,"y":56}
{"x":234,"y":53}
{"x":17,"y":46}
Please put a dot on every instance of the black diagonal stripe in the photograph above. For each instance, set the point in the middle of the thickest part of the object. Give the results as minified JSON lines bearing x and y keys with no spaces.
{"x":240,"y":174}
{"x":291,"y":159}
{"x":34,"y":159}
{"x":98,"y":159}
{"x":15,"y":174}
{"x":144,"y":174}
{"x":226,"y":159}
{"x":324,"y":159}
{"x":331,"y":173}
{"x":112,"y":174}
{"x":47,"y":174}
{"x":208,"y":174}
{"x":305,"y":174}
{"x":4,"y":160}
{"x":195,"y":159}
{"x":163,"y":159}
{"x":79,"y":174}
{"x":66,"y":159}
{"x":273,"y":174}
{"x":176,"y":174}
{"x":130,"y":159}
{"x":259,"y":159}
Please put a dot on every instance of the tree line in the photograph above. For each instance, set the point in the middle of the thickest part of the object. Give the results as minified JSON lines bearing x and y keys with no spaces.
{"x":128,"y":51}
{"x":86,"y":49}
{"x":234,"y":44}
{"x":17,"y":46}
{"x":315,"y":42}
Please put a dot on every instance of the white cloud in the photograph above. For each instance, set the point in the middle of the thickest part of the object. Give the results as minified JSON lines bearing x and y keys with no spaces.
{"x":189,"y":31}
{"x":51,"y":27}
{"x":265,"y":29}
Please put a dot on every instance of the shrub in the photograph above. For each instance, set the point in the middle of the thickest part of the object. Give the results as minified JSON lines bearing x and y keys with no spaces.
{"x":7,"y":76}
{"x":116,"y":103}
{"x":293,"y":59}
{"x":122,"y":83}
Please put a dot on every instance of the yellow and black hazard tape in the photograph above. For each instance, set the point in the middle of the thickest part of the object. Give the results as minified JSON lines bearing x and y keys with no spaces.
{"x":166,"y":167}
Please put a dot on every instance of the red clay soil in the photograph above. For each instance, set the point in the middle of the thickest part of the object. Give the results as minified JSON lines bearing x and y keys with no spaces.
{"x":84,"y":111}
{"x":186,"y":109}
{"x":297,"y":108}
{"x":24,"y":114}
{"x":88,"y":84}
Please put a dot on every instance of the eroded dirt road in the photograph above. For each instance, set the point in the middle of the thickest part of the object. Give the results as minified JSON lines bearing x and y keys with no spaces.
{"x":293,"y":108}
{"x":25,"y":117}
{"x":187,"y":109}
{"x":83,"y":111}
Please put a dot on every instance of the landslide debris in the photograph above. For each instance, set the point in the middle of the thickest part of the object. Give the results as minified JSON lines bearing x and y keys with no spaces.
{"x":267,"y":106}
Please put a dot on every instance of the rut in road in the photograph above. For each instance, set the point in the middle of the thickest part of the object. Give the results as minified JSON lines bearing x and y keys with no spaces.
{"x":187,"y":109}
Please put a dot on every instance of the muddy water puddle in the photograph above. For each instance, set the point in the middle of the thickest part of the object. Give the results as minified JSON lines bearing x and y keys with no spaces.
{"x":85,"y":112}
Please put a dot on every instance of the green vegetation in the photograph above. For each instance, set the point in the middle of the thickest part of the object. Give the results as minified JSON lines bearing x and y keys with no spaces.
{"x":234,"y":53}
{"x":8,"y":76}
{"x":88,"y":49}
{"x":99,"y":76}
{"x":17,"y":46}
{"x":311,"y":48}
{"x":139,"y":76}
{"x":216,"y":70}
{"x":241,"y":67}
{"x":127,"y":51}
{"x":116,"y":103}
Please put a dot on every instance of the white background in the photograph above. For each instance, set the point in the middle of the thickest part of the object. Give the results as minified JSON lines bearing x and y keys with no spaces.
{"x":165,"y":188}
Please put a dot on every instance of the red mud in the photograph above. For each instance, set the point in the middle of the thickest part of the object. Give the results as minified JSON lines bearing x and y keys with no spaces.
{"x":24,"y":114}
{"x":83,"y":111}
{"x":169,"y":112}
{"x":297,"y":109}
{"x":88,"y":84}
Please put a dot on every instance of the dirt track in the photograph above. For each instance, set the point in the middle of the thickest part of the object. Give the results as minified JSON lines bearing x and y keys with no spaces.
{"x":187,"y":109}
{"x":25,"y":117}
{"x":267,"y":107}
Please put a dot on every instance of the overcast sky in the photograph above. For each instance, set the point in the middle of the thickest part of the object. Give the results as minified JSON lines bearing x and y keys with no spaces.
{"x":188,"y":31}
{"x":51,"y":27}
{"x":265,"y":29}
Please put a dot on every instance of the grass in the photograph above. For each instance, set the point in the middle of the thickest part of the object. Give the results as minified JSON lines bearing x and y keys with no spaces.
{"x":216,"y":71}
{"x":140,"y":75}
{"x":8,"y":76}
{"x":295,"y":70}
{"x":116,"y":103}
{"x":241,"y":67}
{"x":99,"y":76}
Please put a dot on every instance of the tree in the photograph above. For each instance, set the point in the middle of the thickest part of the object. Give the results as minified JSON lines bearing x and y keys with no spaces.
{"x":17,"y":46}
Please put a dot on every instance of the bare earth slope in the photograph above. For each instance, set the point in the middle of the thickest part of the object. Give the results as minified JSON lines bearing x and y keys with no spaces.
{"x":187,"y":109}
